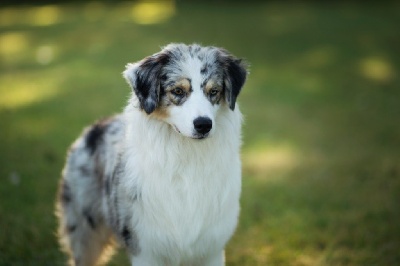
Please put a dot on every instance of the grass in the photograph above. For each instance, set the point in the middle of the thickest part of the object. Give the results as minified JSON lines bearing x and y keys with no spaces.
{"x":321,"y":153}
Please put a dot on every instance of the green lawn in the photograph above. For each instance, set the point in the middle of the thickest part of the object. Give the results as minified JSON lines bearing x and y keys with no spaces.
{"x":321,"y":152}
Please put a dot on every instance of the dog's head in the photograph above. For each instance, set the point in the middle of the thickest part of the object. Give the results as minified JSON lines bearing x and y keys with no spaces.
{"x":186,"y":85}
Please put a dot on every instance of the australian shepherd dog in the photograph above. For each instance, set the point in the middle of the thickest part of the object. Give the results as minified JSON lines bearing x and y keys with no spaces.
{"x":163,"y":178}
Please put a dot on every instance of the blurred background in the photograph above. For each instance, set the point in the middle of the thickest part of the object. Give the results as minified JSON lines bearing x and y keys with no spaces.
{"x":321,"y":152}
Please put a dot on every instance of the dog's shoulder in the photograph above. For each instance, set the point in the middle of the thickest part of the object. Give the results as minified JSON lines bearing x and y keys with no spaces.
{"x":102,"y":131}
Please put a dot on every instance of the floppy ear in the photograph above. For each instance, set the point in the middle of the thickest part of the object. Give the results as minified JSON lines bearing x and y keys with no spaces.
{"x":234,"y":77}
{"x":144,"y":79}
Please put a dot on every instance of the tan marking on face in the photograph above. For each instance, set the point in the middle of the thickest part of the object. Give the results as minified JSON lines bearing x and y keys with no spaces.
{"x":211,"y":84}
{"x":184,"y":84}
{"x":161,"y":113}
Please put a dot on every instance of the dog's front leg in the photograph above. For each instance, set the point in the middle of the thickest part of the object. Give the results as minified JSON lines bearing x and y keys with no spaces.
{"x":216,"y":260}
{"x":146,"y":260}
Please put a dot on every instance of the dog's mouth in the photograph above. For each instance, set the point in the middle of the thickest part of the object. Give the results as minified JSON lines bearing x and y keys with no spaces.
{"x":200,"y":136}
{"x":194,"y":136}
{"x":176,"y":129}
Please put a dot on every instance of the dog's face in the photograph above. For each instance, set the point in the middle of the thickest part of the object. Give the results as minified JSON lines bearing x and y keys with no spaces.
{"x":186,"y":85}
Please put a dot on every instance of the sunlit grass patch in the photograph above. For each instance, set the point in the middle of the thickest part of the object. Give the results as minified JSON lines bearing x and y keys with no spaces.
{"x":22,"y":91}
{"x":267,"y":159}
{"x":377,"y":69}
{"x":13,"y":46}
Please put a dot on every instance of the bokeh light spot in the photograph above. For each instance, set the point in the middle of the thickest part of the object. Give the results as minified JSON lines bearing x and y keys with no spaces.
{"x":376,"y":68}
{"x":45,"y":54}
{"x":45,"y":15}
{"x":152,"y":12}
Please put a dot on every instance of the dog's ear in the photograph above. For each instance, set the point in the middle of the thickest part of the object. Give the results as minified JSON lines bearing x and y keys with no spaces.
{"x":234,"y":76}
{"x":144,"y":79}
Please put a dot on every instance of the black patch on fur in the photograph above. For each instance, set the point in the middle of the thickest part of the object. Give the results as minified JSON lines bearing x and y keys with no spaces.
{"x":112,"y":195}
{"x":164,"y":77}
{"x":135,"y":196}
{"x":203,"y":84}
{"x":95,"y":134}
{"x":200,"y":57}
{"x":126,"y":235}
{"x":130,"y":239}
{"x":118,"y":170}
{"x":191,"y":51}
{"x":89,"y":218}
{"x":107,"y":185}
{"x":234,"y":77}
{"x":203,"y":70}
{"x":147,"y":87}
{"x":65,"y":194}
{"x":71,"y":228}
{"x":84,"y":170}
{"x":237,"y":74}
{"x":116,"y":217}
{"x":194,"y":49}
{"x":114,"y":130}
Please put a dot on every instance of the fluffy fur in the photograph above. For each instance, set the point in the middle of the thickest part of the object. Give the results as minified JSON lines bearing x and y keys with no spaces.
{"x":163,"y":178}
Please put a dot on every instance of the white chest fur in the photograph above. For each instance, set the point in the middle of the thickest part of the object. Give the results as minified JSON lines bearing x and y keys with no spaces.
{"x":189,"y":189}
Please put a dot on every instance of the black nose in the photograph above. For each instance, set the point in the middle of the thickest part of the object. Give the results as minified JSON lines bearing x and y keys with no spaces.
{"x":202,"y":125}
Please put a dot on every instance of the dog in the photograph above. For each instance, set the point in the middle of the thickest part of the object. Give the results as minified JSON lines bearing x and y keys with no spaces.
{"x":163,"y":178}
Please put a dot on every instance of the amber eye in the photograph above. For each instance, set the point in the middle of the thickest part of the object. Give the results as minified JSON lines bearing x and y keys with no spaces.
{"x":178,"y":91}
{"x":213,"y":92}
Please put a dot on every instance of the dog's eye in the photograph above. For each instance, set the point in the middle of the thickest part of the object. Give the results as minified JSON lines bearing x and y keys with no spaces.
{"x":214,"y":92}
{"x":178,"y":91}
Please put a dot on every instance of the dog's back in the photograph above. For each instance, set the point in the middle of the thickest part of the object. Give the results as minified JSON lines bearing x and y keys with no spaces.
{"x":163,"y":178}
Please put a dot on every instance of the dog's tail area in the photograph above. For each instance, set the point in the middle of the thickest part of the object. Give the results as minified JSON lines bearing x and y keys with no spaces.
{"x":82,"y":232}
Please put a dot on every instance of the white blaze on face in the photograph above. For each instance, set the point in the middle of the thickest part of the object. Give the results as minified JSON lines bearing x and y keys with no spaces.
{"x":197,"y":105}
